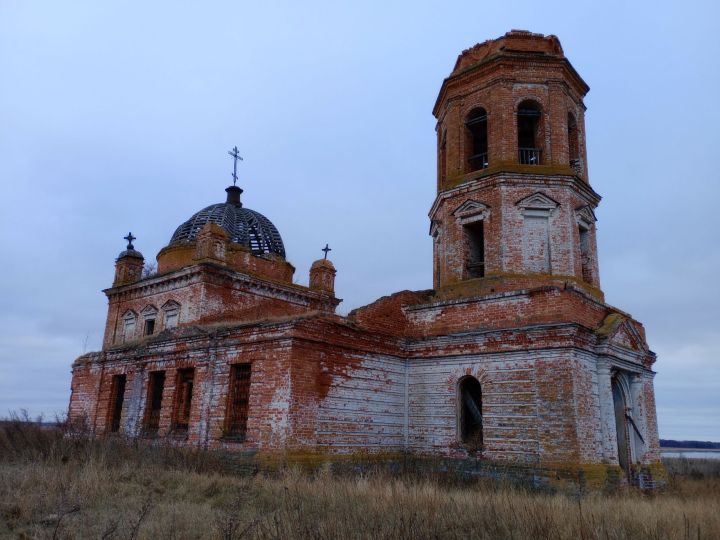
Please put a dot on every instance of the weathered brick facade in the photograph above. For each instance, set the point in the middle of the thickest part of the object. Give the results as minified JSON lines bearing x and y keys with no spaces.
{"x":512,"y":356}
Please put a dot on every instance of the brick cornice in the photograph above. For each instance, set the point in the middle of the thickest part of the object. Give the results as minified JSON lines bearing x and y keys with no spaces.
{"x":209,"y":272}
{"x":524,"y":179}
{"x":474,"y":342}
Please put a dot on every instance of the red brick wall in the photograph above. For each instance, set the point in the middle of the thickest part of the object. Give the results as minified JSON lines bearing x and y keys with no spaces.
{"x":209,"y":294}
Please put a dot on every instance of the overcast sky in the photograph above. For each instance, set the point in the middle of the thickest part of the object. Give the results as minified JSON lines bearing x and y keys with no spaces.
{"x":117,"y":116}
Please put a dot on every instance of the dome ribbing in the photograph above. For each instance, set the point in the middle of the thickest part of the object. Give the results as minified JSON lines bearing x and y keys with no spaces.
{"x":244,"y":226}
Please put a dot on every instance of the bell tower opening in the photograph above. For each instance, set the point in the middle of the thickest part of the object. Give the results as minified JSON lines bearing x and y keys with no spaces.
{"x":528,"y":132}
{"x":477,"y":139}
{"x":573,"y":144}
{"x":442,"y":158}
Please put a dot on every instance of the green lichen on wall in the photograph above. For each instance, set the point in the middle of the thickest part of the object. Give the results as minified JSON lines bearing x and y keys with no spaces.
{"x":609,"y":324}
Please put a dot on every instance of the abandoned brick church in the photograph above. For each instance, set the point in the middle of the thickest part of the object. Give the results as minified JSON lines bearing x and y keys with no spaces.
{"x":512,"y":356}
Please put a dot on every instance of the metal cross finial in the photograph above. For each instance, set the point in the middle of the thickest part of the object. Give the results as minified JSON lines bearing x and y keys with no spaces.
{"x":130,"y":239}
{"x":326,"y":249}
{"x":235,"y":155}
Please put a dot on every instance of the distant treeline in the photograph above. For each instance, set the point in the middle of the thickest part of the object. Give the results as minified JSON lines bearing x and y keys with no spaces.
{"x":670,"y":443}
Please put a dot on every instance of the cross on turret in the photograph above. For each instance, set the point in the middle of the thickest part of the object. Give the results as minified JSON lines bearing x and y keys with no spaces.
{"x":235,"y":155}
{"x":130,"y":239}
{"x":326,"y":249}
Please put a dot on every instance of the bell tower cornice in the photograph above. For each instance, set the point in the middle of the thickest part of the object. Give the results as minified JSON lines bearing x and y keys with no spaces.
{"x":498,"y":70}
{"x":499,"y":179}
{"x":499,"y":60}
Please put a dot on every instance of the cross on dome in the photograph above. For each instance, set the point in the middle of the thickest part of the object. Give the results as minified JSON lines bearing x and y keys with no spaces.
{"x":234,"y":153}
{"x":130,"y":239}
{"x":326,"y":249}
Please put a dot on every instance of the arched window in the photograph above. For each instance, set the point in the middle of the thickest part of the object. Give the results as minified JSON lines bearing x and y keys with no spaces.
{"x":171,"y":313}
{"x":573,"y":143}
{"x":470,"y":413}
{"x":149,"y":314}
{"x":476,"y":126}
{"x":528,"y":131}
{"x":128,"y":326}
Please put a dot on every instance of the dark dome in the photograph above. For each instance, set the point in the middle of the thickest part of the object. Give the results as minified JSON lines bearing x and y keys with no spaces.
{"x":244,"y":226}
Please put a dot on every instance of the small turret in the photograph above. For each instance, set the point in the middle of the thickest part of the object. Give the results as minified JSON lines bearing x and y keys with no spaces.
{"x":322,"y":274}
{"x":129,"y":264}
{"x":211,"y":243}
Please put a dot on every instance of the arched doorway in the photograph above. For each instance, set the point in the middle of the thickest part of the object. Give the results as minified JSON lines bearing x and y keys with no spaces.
{"x":470,"y":413}
{"x":621,"y":424}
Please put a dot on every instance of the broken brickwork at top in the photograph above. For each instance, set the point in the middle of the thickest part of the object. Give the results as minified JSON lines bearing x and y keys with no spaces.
{"x":512,"y":356}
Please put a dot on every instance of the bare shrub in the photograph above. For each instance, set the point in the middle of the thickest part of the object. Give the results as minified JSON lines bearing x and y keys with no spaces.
{"x":149,"y":270}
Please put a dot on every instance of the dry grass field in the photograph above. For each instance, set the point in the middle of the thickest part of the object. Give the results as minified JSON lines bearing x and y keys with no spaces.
{"x":55,"y":486}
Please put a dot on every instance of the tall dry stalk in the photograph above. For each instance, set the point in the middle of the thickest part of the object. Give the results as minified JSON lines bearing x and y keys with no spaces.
{"x":61,"y":482}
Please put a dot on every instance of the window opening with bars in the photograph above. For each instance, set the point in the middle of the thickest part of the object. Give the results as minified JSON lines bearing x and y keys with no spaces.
{"x":153,"y":406}
{"x":183,"y":398}
{"x":475,"y":237}
{"x":117,"y":396}
{"x":238,"y":401}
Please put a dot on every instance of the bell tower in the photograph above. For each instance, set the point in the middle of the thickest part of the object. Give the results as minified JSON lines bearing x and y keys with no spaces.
{"x":514,"y":206}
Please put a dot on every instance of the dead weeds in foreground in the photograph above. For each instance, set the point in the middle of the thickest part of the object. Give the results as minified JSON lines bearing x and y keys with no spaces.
{"x":53,"y":486}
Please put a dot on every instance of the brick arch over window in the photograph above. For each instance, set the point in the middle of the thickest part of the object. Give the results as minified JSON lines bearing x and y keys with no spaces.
{"x":149,"y":310}
{"x":476,"y":140}
{"x":470,"y":422}
{"x":529,"y":132}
